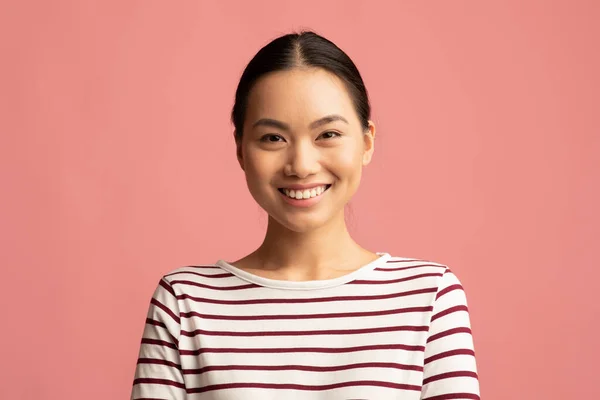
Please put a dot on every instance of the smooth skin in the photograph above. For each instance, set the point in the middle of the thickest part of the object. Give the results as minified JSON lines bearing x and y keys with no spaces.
{"x":283,"y":144}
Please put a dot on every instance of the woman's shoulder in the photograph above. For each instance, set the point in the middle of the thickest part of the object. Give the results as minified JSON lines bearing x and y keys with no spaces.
{"x":443,"y":274}
{"x":197,"y":272}
{"x":424,"y":270}
{"x":412,"y":262}
{"x":390,"y":262}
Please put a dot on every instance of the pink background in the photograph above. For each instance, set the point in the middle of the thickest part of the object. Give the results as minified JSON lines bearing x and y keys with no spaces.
{"x":118,"y":165}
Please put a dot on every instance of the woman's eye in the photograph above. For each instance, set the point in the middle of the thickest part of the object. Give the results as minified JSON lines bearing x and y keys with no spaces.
{"x":270,"y":138}
{"x":330,"y":135}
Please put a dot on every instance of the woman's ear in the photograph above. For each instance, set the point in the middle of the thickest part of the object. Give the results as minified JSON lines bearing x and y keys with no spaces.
{"x":238,"y":149}
{"x":369,"y":138}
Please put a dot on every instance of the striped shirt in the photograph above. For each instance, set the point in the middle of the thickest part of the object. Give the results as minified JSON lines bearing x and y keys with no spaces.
{"x":396,"y":328}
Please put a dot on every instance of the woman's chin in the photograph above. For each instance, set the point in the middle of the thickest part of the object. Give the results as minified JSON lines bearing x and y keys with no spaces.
{"x":300,"y":223}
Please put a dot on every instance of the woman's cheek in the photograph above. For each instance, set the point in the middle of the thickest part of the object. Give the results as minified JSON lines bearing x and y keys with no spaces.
{"x":257,"y":164}
{"x":346,"y":160}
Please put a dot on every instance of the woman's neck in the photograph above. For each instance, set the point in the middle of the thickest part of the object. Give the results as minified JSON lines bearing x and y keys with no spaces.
{"x":324,"y":253}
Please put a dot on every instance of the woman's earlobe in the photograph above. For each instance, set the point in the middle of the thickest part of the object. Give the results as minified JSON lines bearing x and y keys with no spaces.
{"x":369,"y":138}
{"x":240,"y":159}
{"x":368,"y":153}
{"x":239,"y":153}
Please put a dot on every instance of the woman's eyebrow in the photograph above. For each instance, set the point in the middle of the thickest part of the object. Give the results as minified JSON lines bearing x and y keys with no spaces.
{"x":326,"y":120}
{"x":285,"y":127}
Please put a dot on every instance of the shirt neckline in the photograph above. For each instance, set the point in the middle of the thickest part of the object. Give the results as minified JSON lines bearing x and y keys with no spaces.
{"x":304,"y":285}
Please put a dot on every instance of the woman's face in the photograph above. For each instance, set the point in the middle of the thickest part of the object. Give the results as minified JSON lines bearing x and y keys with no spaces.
{"x":302,"y":136}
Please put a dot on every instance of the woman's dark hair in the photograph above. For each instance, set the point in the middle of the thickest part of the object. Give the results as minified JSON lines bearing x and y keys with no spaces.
{"x":303,"y":49}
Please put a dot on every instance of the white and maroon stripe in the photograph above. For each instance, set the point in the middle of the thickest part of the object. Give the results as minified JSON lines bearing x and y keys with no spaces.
{"x":403,"y":327}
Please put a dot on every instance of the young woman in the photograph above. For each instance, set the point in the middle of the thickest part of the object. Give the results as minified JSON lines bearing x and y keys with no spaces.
{"x":310,"y":314}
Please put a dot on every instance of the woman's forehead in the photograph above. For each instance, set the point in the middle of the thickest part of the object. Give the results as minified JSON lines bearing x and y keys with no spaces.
{"x":299,"y":94}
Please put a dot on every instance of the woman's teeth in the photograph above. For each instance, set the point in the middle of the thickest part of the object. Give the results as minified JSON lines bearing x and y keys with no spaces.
{"x":304,"y":194}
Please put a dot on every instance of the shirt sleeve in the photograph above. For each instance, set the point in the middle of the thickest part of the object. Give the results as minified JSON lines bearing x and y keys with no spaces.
{"x":450,"y":370}
{"x":158,"y":372}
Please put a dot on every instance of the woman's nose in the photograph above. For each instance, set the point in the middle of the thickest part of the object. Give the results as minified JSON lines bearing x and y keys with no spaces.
{"x":303,"y":161}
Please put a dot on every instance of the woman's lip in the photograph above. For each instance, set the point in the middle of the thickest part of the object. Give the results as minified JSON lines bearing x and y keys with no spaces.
{"x":305,"y":187}
{"x":303,"y":203}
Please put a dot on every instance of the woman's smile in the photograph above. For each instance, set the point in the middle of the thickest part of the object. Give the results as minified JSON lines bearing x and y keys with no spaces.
{"x":304,"y":197}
